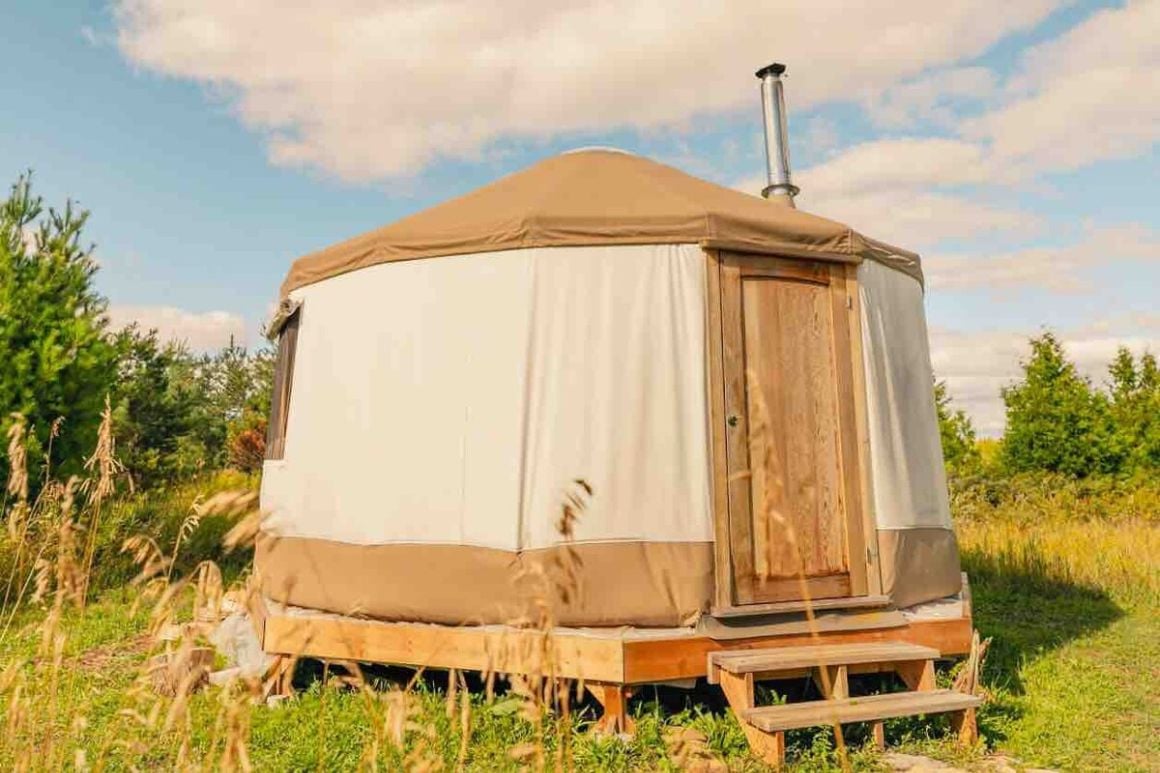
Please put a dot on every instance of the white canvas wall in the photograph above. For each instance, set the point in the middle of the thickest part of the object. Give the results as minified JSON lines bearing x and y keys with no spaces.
{"x":907,"y":473}
{"x":452,"y":400}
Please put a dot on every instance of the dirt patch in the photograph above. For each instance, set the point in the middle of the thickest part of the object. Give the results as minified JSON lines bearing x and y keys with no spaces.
{"x":98,"y":658}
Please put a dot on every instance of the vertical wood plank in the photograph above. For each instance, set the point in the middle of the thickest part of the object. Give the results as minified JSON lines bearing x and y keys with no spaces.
{"x":714,"y":380}
{"x":861,"y":419}
{"x":878,"y":732}
{"x":848,"y":432}
{"x":613,"y":698}
{"x":965,"y":726}
{"x":736,"y":429}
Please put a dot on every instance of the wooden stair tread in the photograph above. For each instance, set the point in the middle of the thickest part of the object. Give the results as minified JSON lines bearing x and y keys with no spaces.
{"x":789,"y":658}
{"x":791,"y":716}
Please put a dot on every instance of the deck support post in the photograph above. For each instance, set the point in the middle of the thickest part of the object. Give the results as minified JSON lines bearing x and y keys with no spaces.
{"x":965,"y":726}
{"x":878,"y":733}
{"x":613,"y":698}
{"x":280,"y":677}
{"x":834,"y":682}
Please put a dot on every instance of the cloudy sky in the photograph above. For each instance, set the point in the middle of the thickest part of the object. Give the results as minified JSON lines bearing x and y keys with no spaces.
{"x":1013,"y":144}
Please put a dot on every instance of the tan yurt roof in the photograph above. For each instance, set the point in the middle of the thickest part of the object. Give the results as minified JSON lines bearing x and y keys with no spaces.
{"x":599,"y":197}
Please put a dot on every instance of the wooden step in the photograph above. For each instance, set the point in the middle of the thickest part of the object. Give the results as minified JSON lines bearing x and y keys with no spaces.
{"x":774,"y":659}
{"x":771,"y":719}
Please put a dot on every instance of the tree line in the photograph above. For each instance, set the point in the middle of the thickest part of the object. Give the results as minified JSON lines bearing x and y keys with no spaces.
{"x":178,"y":413}
{"x":61,"y":365}
{"x":1059,"y":422}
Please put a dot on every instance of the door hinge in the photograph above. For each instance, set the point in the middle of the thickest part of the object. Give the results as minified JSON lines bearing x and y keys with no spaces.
{"x":849,"y":301}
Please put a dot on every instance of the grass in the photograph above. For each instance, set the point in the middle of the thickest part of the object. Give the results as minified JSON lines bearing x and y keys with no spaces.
{"x":1064,"y":575}
{"x":1074,"y":609}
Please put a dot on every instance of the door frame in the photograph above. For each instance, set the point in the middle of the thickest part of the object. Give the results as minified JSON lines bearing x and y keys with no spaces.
{"x":723,"y":271}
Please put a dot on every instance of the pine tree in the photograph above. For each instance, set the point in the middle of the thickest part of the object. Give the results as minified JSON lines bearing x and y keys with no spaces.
{"x":56,"y":362}
{"x":1135,"y":406}
{"x":1056,"y":421}
{"x":957,"y":433}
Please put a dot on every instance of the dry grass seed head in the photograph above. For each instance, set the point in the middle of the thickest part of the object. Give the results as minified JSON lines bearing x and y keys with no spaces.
{"x":17,"y":459}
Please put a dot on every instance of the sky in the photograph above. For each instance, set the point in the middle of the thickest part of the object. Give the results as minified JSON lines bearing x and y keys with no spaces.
{"x":1013,"y":145}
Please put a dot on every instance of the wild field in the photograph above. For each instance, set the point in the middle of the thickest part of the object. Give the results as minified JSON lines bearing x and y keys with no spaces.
{"x":1064,"y":576}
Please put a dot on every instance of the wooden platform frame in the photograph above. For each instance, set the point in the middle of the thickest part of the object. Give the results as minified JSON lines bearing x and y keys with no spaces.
{"x":569,"y":654}
{"x":613,"y":662}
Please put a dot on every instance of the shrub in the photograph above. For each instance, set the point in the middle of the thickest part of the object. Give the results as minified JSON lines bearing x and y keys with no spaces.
{"x":1056,"y":421}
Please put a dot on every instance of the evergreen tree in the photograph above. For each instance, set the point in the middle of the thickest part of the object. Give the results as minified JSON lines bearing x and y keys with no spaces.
{"x":960,"y":450}
{"x":1135,"y":405}
{"x":56,"y":361}
{"x":1056,"y":422}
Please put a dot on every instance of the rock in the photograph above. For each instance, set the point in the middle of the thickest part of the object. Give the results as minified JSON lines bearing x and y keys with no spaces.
{"x":184,"y":669}
{"x":225,"y":676}
{"x":915,"y":762}
{"x":236,"y":640}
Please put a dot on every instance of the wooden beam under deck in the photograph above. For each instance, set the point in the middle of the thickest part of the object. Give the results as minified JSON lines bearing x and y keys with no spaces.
{"x":606,"y":657}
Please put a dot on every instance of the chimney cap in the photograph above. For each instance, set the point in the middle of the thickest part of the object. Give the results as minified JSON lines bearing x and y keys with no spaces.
{"x":777,"y":68}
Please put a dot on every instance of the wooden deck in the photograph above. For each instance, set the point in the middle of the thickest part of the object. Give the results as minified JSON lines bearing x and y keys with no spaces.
{"x":613,"y":662}
{"x":623,"y":656}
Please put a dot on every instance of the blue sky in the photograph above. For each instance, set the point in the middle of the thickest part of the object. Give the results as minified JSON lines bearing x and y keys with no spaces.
{"x":1013,"y":145}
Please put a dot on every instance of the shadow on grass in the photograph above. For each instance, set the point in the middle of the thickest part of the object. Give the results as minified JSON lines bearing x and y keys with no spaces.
{"x":1028,"y":611}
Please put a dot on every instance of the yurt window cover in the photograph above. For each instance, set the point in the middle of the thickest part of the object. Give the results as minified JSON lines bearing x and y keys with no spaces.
{"x":283,"y":379}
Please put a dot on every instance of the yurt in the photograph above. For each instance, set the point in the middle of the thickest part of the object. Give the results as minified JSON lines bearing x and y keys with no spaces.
{"x":741,"y":391}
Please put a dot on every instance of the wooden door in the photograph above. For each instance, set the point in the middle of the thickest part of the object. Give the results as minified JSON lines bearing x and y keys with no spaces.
{"x":794,"y":499}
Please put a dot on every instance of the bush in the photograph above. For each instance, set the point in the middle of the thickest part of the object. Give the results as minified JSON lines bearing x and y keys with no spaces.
{"x":1056,"y":421}
{"x":180,"y":415}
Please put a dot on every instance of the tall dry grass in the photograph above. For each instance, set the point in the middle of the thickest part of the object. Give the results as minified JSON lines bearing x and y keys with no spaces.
{"x":54,"y":549}
{"x":55,"y":541}
{"x":1099,"y":534}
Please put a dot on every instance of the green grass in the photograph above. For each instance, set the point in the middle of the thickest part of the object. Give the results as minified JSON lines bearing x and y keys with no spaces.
{"x":1070,"y":601}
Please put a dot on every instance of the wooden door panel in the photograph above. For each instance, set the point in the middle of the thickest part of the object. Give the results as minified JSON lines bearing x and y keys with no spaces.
{"x":797,"y":506}
{"x":794,"y":508}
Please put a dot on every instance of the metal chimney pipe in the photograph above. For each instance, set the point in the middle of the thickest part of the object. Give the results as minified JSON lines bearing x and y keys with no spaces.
{"x":776,"y":136}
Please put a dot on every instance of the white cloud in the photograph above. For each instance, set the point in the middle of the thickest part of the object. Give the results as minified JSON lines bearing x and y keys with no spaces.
{"x":918,"y":219}
{"x":899,"y":163}
{"x":1059,"y":268}
{"x":821,"y":134}
{"x":1091,"y":94}
{"x":905,"y":191}
{"x":201,"y":332}
{"x":368,"y":90}
{"x":935,"y":97}
{"x":977,"y":365}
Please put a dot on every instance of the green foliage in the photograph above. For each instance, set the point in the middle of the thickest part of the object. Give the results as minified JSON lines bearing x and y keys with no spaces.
{"x":1056,"y":421}
{"x":179,"y":414}
{"x":175,"y":413}
{"x":57,"y":359}
{"x":154,"y":410}
{"x":1135,"y":406}
{"x":959,"y":446}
